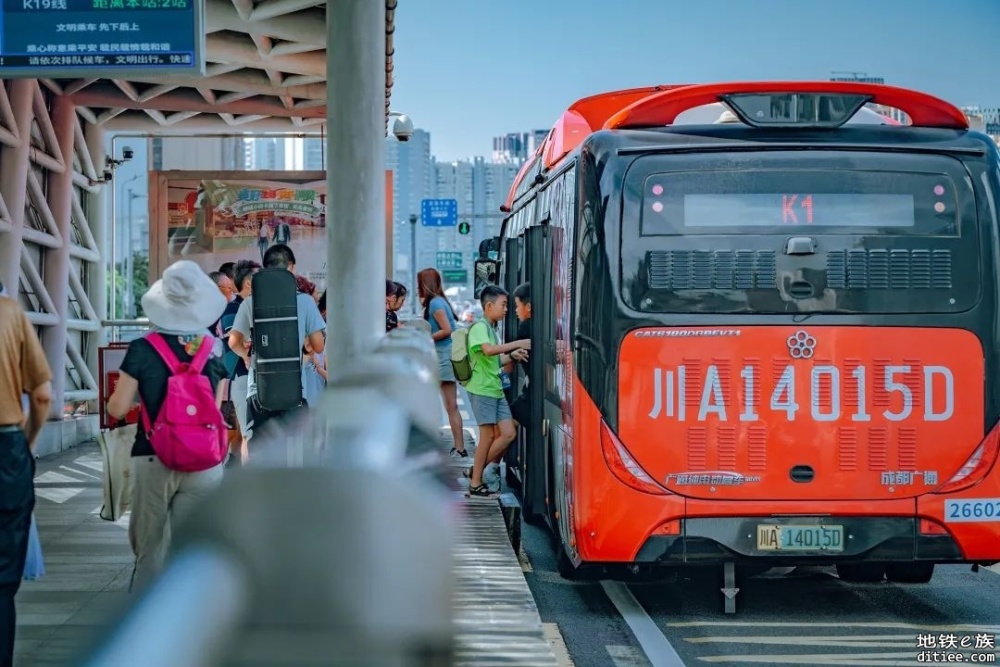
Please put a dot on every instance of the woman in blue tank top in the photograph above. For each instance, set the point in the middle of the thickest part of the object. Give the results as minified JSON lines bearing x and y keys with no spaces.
{"x":441,"y":317}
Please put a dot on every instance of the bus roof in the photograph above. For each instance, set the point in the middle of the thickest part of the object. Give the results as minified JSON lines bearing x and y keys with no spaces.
{"x":705,"y":104}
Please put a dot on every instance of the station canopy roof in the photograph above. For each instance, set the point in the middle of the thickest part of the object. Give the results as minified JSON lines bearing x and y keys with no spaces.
{"x":265,"y":71}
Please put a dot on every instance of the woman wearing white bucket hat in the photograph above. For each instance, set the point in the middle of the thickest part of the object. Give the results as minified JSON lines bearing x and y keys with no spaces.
{"x":180,"y":306}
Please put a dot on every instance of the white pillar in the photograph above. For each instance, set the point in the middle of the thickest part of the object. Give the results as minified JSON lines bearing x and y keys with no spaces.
{"x":355,"y":176}
{"x":56,"y":274}
{"x":97,"y":217}
{"x":14,"y":165}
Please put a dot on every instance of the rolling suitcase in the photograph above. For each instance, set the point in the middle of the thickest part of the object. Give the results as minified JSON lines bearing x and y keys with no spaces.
{"x":275,"y":340}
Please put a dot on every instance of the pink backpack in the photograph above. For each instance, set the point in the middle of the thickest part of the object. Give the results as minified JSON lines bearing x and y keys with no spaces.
{"x":189,"y":434}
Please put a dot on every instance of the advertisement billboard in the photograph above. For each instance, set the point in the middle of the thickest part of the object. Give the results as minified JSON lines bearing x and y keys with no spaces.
{"x":216,"y":217}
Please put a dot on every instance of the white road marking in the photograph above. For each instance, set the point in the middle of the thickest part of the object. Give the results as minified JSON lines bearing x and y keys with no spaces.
{"x":53,"y":477}
{"x":995,"y":569}
{"x":655,"y":645}
{"x":858,"y":641}
{"x":897,"y":648}
{"x":794,"y":624}
{"x":866,"y":660}
{"x":57,"y":495}
{"x":626,"y":656}
{"x":79,"y":472}
{"x":555,"y":639}
{"x":92,"y":461}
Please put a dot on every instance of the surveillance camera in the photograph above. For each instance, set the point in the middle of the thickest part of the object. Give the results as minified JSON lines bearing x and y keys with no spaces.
{"x":402,"y":128}
{"x":127,"y":153}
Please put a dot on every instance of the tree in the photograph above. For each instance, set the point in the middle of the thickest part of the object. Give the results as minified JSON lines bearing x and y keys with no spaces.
{"x":140,"y":283}
{"x":140,"y":280}
{"x":117,"y":308}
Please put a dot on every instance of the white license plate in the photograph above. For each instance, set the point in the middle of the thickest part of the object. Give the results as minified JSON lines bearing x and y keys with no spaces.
{"x":972,"y":509}
{"x":772,"y":537}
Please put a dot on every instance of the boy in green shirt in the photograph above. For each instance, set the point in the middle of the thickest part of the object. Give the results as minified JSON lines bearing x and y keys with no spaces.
{"x":485,"y":388}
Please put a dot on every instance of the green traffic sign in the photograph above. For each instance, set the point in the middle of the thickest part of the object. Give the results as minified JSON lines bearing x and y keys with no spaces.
{"x":455,"y":275}
{"x":464,"y":228}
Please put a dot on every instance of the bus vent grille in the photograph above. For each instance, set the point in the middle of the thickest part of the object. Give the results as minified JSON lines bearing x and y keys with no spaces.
{"x":888,"y":269}
{"x":712,"y":269}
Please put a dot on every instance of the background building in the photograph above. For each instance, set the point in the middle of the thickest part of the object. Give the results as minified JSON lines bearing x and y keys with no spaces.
{"x":517,"y":146}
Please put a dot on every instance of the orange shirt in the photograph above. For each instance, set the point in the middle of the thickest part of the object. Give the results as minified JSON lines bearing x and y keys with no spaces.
{"x":23,"y":366}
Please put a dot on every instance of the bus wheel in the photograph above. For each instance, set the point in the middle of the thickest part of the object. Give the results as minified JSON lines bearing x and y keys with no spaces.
{"x":567,"y":570}
{"x":861,"y":573}
{"x":909,"y":573}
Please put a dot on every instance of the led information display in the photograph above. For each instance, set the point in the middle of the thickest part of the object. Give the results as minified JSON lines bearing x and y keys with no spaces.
{"x":73,"y":38}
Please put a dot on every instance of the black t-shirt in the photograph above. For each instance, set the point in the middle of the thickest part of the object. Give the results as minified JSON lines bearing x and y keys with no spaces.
{"x":226,"y":326}
{"x":523,"y":333}
{"x":144,"y":364}
{"x":391,"y":320}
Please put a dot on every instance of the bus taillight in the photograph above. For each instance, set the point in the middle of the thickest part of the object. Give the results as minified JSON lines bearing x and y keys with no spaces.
{"x":978,"y":465}
{"x":672,"y":527}
{"x":624,"y":467}
{"x":929,"y":527}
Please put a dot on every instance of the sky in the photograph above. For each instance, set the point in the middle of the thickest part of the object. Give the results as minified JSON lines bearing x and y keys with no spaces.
{"x":469,"y":70}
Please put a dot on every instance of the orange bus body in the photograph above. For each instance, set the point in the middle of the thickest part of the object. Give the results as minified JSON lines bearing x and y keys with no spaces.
{"x":886,"y":432}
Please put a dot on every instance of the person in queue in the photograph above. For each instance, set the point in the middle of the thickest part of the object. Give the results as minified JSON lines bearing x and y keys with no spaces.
{"x":23,"y":370}
{"x":306,"y":286}
{"x":228,"y":289}
{"x":229,"y":269}
{"x":237,"y":369}
{"x":311,"y":327}
{"x":519,"y":407}
{"x":314,"y":374}
{"x":441,"y":316}
{"x":181,"y":306}
{"x":486,"y":386}
{"x":395,"y":297}
{"x":224,"y":283}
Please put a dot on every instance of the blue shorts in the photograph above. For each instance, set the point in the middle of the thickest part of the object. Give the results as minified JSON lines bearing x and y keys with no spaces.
{"x":445,"y":372}
{"x":488,"y":410}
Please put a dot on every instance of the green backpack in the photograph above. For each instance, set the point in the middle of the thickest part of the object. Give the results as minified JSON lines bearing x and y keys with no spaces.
{"x":461,"y":363}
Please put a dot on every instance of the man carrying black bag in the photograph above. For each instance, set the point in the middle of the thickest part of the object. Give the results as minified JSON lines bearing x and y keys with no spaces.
{"x":270,"y":328}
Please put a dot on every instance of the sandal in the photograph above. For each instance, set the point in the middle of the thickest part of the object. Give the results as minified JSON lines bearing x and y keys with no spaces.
{"x":481,"y":491}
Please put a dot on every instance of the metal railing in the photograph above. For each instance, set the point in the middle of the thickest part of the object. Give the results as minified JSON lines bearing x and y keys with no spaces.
{"x":125,"y":331}
{"x":341,"y":554}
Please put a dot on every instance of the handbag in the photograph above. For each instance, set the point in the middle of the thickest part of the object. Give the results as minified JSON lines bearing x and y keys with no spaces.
{"x":34,"y":563}
{"x":229,"y":415}
{"x":116,"y":453}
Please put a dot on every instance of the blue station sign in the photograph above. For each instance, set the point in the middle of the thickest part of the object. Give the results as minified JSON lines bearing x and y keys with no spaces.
{"x":105,"y":38}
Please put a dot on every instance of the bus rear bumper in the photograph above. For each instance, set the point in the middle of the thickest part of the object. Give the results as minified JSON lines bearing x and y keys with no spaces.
{"x":713,"y":540}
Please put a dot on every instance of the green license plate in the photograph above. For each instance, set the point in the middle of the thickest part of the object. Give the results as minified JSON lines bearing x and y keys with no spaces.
{"x":799,"y":538}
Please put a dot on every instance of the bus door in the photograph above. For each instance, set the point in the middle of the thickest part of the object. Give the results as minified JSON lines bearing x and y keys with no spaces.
{"x":537,"y":476}
{"x":513,"y":275}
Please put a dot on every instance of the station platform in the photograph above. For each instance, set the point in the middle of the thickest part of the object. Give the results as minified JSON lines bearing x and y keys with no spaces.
{"x":88,"y":565}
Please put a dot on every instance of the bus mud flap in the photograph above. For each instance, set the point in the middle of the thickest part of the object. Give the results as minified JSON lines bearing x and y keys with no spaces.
{"x":729,"y":589}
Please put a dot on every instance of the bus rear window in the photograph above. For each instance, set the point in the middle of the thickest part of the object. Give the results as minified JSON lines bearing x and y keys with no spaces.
{"x":804,"y":194}
{"x":800,"y":231}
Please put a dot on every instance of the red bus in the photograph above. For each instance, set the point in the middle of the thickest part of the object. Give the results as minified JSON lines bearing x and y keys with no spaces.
{"x":765,"y":331}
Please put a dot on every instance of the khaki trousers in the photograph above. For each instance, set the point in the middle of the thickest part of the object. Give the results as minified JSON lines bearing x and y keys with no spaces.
{"x":161,"y":498}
